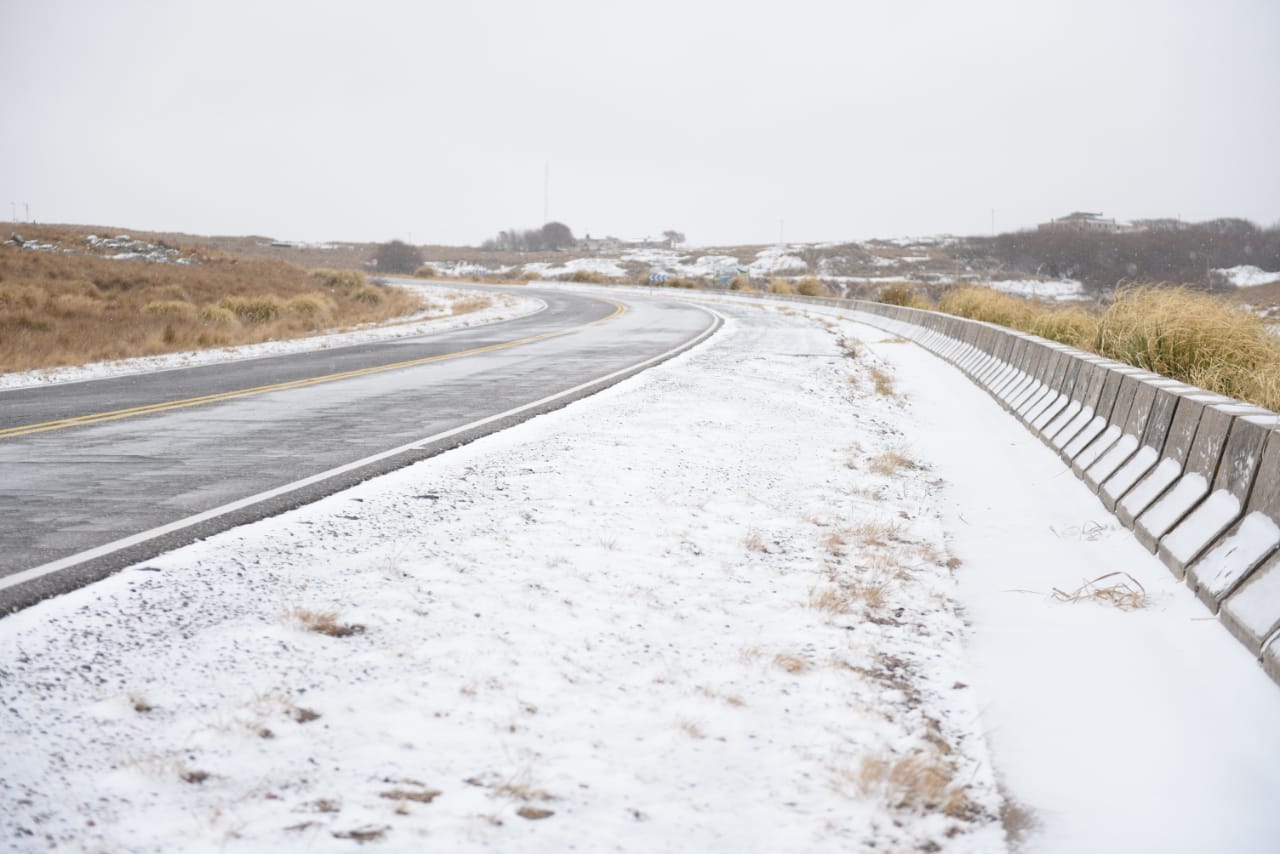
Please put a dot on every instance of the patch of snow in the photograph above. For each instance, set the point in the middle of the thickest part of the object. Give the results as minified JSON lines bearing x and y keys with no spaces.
{"x":1247,"y":276}
{"x":1063,"y":289}
{"x":608,"y":267}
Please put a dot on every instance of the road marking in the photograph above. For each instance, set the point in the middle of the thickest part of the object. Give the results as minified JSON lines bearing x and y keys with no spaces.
{"x":117,"y":414}
{"x":135,"y":539}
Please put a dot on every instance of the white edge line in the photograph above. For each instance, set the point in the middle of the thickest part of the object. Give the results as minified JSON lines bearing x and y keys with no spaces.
{"x":35,"y":572}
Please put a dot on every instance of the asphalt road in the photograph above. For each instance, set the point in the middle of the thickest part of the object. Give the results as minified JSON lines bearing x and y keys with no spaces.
{"x":98,"y":475}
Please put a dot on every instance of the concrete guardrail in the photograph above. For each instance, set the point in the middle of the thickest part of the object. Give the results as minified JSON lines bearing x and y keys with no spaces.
{"x":1194,"y":475}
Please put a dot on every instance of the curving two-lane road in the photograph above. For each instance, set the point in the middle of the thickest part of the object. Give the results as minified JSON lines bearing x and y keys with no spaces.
{"x":98,"y":475}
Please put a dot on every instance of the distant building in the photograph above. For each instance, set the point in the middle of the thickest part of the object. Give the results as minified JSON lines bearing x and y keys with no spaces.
{"x":600,"y":244}
{"x":1086,"y":221}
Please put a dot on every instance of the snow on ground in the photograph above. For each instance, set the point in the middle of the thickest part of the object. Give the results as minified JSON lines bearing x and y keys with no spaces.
{"x":437,"y":318}
{"x":699,"y":611}
{"x":1065,"y":289}
{"x":601,"y":266}
{"x":1246,"y":275}
{"x":790,"y":591}
{"x":774,"y":260}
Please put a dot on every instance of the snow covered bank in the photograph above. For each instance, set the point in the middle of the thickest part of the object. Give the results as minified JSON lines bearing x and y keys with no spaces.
{"x":438,"y":317}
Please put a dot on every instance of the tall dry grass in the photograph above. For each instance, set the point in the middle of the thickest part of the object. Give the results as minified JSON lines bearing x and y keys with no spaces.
{"x":1195,"y":338}
{"x":1180,"y":333}
{"x":66,"y":308}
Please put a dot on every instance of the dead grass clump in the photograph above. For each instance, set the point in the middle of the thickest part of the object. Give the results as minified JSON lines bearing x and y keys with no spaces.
{"x":534,"y":813}
{"x":1127,"y":595}
{"x":878,"y":534}
{"x":883,"y":381}
{"x":904,"y":294}
{"x":253,"y":309}
{"x":755,"y":542}
{"x":790,"y":663}
{"x":170,"y":308}
{"x":586,"y":277}
{"x":922,"y":782}
{"x":310,"y":305}
{"x":423,"y":796}
{"x":326,"y":623}
{"x":781,"y":286}
{"x":890,"y":463}
{"x":426,"y":271}
{"x":466,"y":305}
{"x":339,"y":280}
{"x":831,"y":600}
{"x":811,"y":287}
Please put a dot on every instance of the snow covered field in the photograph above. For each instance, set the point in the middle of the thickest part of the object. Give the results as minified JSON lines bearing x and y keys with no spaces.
{"x":790,"y":591}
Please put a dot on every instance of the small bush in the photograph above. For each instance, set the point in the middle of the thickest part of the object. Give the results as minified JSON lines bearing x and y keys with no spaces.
{"x":781,"y":286}
{"x":170,"y":308}
{"x":340,"y":280}
{"x":426,"y":271}
{"x":531,"y":276}
{"x":217,"y":315}
{"x":310,"y":305}
{"x":368,"y":295}
{"x":811,"y":287}
{"x":253,"y":309}
{"x":587,"y":277}
{"x":902,"y":293}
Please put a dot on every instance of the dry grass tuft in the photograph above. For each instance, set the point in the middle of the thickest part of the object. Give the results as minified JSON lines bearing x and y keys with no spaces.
{"x":883,"y":382}
{"x":755,"y":542}
{"x":922,"y":782}
{"x":790,"y":663}
{"x":466,"y":305}
{"x":326,"y":623}
{"x":1127,"y":595}
{"x":424,"y":796}
{"x":890,"y":463}
{"x":534,"y":813}
{"x":878,"y":534}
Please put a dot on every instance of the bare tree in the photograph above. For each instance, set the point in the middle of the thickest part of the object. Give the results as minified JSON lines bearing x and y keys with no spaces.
{"x":673,"y":237}
{"x":397,"y":256}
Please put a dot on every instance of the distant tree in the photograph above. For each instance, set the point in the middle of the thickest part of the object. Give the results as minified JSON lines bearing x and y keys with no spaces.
{"x":557,"y":235}
{"x":552,"y":236}
{"x":397,"y":256}
{"x":673,"y":237}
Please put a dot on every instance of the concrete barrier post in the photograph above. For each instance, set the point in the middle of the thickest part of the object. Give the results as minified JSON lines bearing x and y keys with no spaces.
{"x":1151,"y":441}
{"x":1193,"y":485}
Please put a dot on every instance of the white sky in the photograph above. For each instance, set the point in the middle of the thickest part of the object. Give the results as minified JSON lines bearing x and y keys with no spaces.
{"x":434,"y":121}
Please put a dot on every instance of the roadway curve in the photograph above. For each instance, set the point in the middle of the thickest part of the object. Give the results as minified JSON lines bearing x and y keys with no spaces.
{"x":98,"y":475}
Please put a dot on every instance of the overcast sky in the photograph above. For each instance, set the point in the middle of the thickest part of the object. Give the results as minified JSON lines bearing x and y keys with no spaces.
{"x":733,"y":122}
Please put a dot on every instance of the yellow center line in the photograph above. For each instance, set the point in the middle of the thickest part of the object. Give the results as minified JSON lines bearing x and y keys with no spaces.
{"x":166,"y":406}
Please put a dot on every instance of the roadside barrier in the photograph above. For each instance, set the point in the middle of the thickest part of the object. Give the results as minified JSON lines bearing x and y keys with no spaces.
{"x":1194,"y":475}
